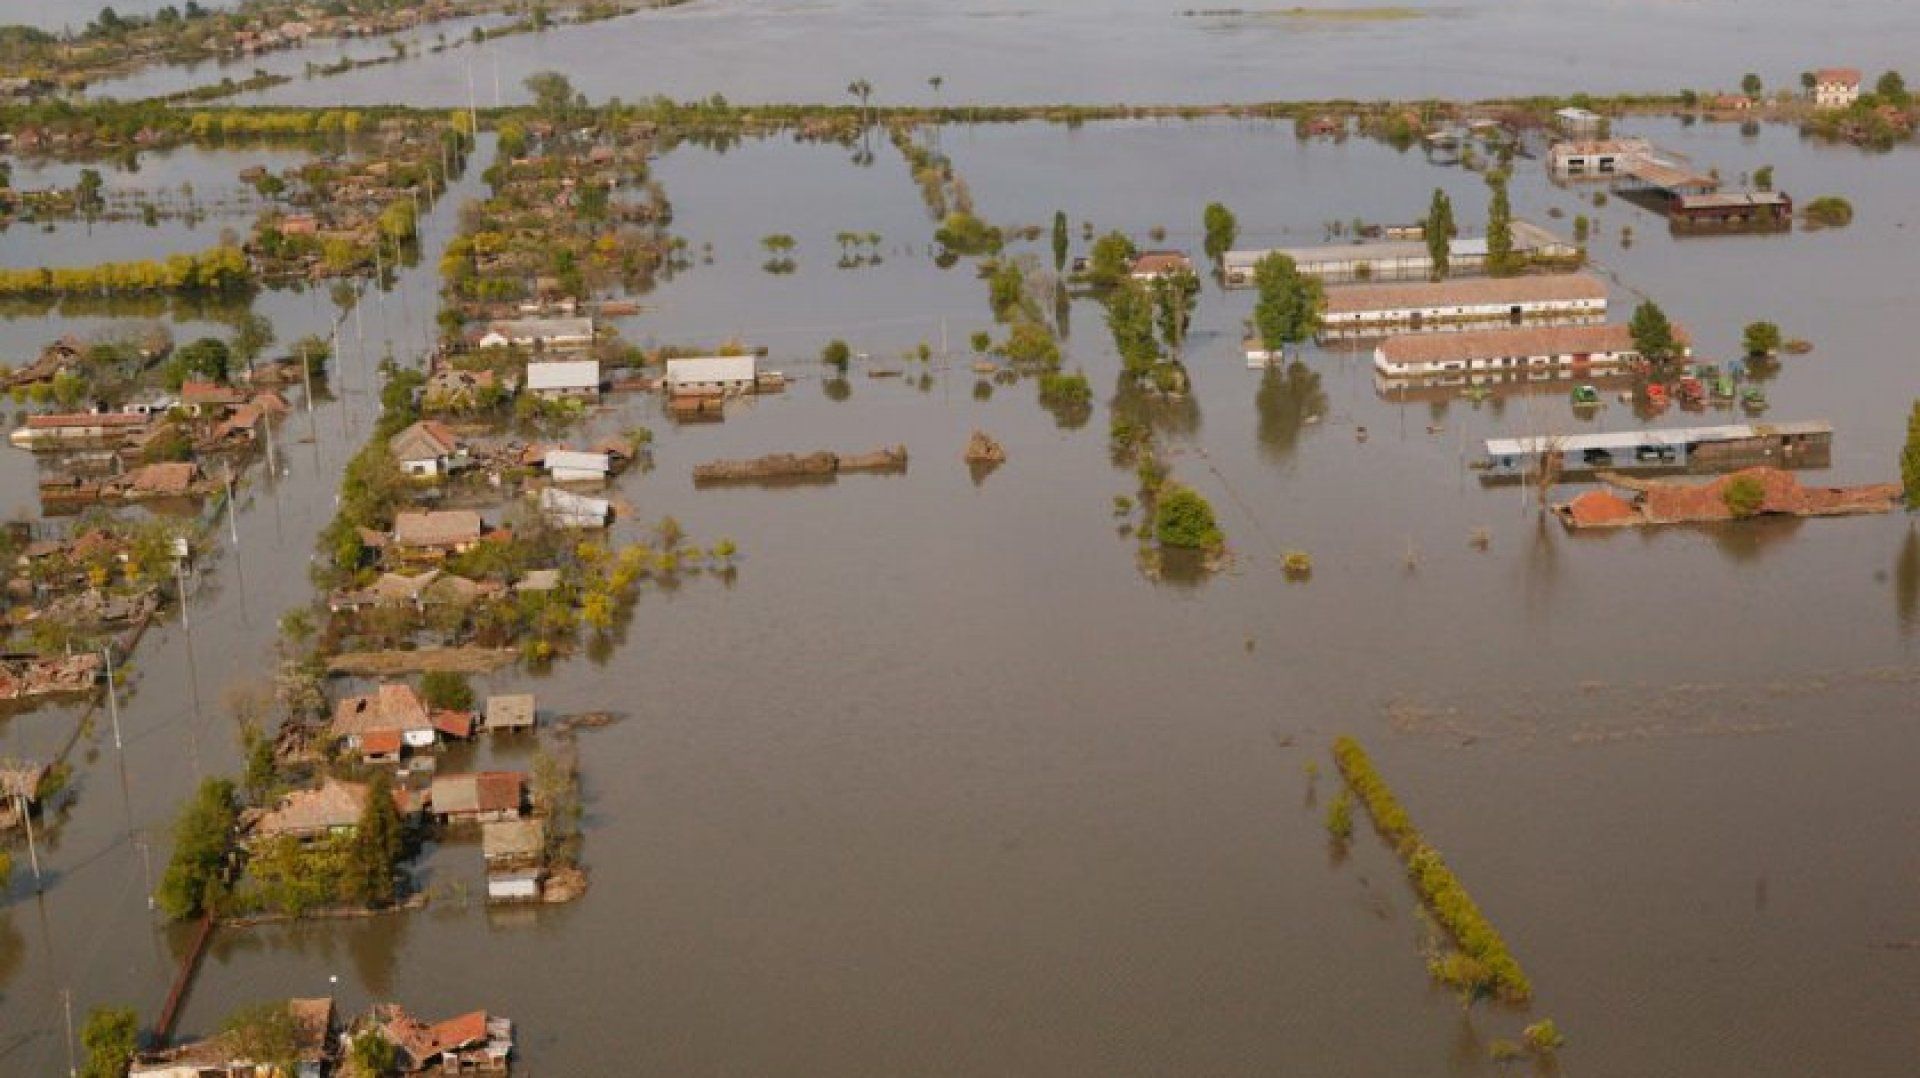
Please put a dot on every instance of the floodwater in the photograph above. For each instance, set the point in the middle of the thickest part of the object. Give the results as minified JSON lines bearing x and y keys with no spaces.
{"x":939,"y":783}
{"x":161,"y":80}
{"x":1152,"y":52}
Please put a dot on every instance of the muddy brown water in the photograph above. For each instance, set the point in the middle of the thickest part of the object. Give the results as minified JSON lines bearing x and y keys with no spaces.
{"x":1151,"y":52}
{"x":938,"y":783}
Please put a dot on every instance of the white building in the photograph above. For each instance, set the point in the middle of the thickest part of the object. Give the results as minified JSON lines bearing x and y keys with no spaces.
{"x":1512,"y":351}
{"x":1452,"y":304}
{"x":1836,"y":87}
{"x":557,"y":379}
{"x":1395,"y":260}
{"x":574,"y":466}
{"x":565,"y":509}
{"x":549,"y":333}
{"x":712,"y":374}
{"x":1597,"y":157}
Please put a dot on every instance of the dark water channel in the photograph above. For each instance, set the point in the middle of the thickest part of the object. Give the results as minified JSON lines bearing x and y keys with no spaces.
{"x":939,"y":783}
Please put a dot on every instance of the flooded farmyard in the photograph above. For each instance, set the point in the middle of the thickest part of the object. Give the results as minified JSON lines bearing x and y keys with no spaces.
{"x":961,"y":767}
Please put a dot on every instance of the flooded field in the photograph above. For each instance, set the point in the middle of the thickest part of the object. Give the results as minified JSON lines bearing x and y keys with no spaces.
{"x":1155,"y":51}
{"x":939,"y":782}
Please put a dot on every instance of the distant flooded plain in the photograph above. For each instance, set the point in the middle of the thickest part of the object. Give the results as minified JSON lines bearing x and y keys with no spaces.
{"x":1153,"y":51}
{"x":939,"y":782}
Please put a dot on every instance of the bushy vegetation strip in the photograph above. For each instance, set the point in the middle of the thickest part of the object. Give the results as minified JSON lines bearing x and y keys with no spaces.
{"x":1482,"y":963}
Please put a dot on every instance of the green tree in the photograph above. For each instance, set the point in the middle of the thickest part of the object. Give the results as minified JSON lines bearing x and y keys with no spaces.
{"x":1340,"y":816}
{"x":1543,"y":1037}
{"x":208,"y":358}
{"x":264,"y":1033}
{"x":1892,"y":89}
{"x":1130,"y":319}
{"x":1501,"y":259}
{"x":836,"y":354}
{"x":1174,"y":297}
{"x":1762,"y":338}
{"x":1652,"y":333}
{"x":1744,"y":495}
{"x":1763,"y":178}
{"x":1750,"y":84}
{"x":1439,"y":233}
{"x":251,"y":337}
{"x":1059,"y":241}
{"x":446,"y":690}
{"x":1288,"y":310}
{"x":1184,"y":519}
{"x":377,"y":845}
{"x":552,"y":92}
{"x":1221,"y":230}
{"x":371,"y":1055}
{"x":201,"y":839}
{"x":1910,"y":460}
{"x":1111,"y":260}
{"x":111,"y":1036}
{"x":1006,"y":290}
{"x":1808,"y":80}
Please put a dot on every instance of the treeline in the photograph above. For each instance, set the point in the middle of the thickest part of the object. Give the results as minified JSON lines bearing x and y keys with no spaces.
{"x":1482,"y":963}
{"x":217,"y":270}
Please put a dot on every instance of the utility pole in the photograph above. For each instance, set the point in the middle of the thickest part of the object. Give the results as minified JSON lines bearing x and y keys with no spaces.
{"x":33,"y":847}
{"x":113,"y":698}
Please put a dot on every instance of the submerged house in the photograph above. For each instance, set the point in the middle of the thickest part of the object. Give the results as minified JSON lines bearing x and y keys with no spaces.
{"x":312,"y":1045}
{"x":435,"y":534}
{"x":390,"y":712}
{"x":1836,"y":87}
{"x":478,"y":797}
{"x":712,"y":374}
{"x":332,"y":808}
{"x":1397,"y":260}
{"x":539,"y":333}
{"x":1541,"y":350}
{"x":573,"y":379}
{"x":427,"y":449}
{"x":472,"y":1042}
{"x":1357,"y":310}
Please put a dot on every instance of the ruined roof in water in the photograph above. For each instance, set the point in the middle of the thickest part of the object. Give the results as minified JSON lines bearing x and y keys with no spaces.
{"x":512,"y":838}
{"x":510,"y":711}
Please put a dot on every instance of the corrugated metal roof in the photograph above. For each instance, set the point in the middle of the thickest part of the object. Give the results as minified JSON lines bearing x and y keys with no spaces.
{"x":1465,"y":292}
{"x":1674,"y":437}
{"x":564,"y":374}
{"x":698,"y":369}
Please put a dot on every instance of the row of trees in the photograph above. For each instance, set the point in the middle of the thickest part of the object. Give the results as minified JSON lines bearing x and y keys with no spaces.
{"x":1482,"y":963}
{"x":218,"y":270}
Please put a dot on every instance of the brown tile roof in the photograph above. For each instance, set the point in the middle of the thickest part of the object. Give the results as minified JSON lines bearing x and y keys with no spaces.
{"x":454,"y":723}
{"x":302,"y":812}
{"x":87,"y":419}
{"x":478,"y":792}
{"x":380,"y":742}
{"x":430,"y":528}
{"x":425,"y":440}
{"x":1845,"y":76}
{"x":1158,"y":262}
{"x":390,"y":707}
{"x":1471,"y":291}
{"x":171,"y":477}
{"x":1494,"y":343}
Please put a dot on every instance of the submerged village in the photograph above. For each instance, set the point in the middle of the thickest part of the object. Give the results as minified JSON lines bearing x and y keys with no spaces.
{"x":411,"y":506}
